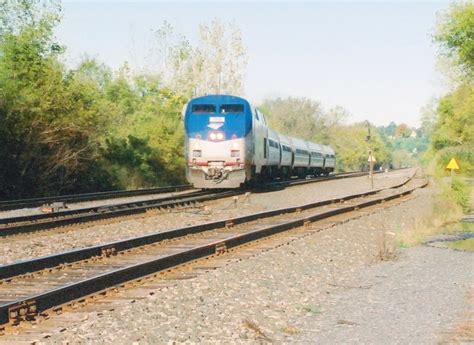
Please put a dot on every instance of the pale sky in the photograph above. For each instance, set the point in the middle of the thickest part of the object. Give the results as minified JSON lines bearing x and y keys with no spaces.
{"x":376,"y":59}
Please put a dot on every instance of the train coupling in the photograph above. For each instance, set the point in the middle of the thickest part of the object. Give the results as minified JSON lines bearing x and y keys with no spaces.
{"x":217,"y":172}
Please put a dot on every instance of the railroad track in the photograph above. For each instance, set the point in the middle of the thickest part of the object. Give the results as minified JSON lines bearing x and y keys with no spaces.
{"x":74,"y":198}
{"x":37,"y":222}
{"x":39,"y":287}
{"x":45,"y":221}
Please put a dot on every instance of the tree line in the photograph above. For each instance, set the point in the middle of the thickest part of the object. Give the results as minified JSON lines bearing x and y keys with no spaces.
{"x":449,"y":121}
{"x":90,"y":128}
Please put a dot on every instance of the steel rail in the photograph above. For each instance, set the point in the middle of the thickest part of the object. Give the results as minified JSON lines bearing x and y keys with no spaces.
{"x":32,"y":305}
{"x":73,"y":198}
{"x":26,"y":224}
{"x":28,"y":266}
{"x":36,"y":222}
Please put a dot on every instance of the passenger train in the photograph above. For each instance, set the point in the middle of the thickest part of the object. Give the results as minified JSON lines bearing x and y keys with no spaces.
{"x":228,"y":143}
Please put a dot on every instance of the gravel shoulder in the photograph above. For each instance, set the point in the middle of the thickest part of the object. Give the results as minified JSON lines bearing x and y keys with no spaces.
{"x":40,"y":244}
{"x":325,"y":288}
{"x":414,"y":300}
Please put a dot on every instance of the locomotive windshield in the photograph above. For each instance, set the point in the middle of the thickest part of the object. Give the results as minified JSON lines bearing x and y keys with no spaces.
{"x":232,"y":108}
{"x":204,"y":108}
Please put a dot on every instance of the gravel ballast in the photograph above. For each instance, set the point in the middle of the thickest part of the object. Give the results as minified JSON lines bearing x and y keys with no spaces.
{"x":40,"y":244}
{"x":93,"y":203}
{"x":325,"y":288}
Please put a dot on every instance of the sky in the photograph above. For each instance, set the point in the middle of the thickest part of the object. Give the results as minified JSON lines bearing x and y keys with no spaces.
{"x":376,"y":59}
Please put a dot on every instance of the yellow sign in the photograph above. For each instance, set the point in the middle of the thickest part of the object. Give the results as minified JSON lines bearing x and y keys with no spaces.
{"x":453,"y":165}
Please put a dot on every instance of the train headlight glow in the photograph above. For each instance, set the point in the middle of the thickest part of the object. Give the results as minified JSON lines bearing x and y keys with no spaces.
{"x":216,"y":136}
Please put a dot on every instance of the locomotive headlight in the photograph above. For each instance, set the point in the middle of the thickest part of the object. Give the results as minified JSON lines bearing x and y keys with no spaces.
{"x":216,"y":136}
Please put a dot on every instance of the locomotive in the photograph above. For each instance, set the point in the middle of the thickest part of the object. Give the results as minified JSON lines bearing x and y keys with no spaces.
{"x":228,"y":142}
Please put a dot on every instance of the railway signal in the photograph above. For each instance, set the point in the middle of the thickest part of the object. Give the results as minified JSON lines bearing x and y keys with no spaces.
{"x":371,"y":158}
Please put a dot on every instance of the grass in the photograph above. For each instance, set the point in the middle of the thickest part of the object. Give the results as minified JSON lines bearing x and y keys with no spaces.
{"x":449,"y":206}
{"x":467,"y":227}
{"x":467,"y":245}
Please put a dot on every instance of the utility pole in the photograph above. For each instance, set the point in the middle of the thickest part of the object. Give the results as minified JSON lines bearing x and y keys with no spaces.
{"x":371,"y":158}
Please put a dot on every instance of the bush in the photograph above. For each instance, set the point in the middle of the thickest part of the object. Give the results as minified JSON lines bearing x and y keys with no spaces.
{"x":460,"y":193}
{"x":464,"y":156}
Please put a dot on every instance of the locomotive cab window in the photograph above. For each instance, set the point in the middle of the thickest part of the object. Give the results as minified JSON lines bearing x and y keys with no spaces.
{"x":203,"y":108}
{"x":232,"y":108}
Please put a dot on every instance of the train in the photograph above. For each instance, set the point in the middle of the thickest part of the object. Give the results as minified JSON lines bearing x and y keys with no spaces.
{"x":228,"y":143}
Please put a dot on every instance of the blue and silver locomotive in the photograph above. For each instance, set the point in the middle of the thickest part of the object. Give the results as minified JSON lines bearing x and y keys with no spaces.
{"x":228,"y":142}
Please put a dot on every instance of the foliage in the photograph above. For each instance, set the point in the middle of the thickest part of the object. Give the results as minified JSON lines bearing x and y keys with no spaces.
{"x":444,"y":216}
{"x":88,"y":129}
{"x":305,"y":118}
{"x":467,"y":244}
{"x":460,"y":191}
{"x":452,"y":123}
{"x":402,"y":130}
{"x":146,"y":147}
{"x":48,"y":119}
{"x":455,"y":34}
{"x":455,"y":122}
{"x":352,"y":148}
{"x":453,"y":128}
{"x":300,"y":117}
{"x":388,"y":131}
{"x":402,"y":158}
{"x":216,"y":64}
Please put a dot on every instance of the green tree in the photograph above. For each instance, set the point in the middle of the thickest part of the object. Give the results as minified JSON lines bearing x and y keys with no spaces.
{"x":351,"y":146}
{"x":453,"y":125}
{"x":305,"y":118}
{"x":455,"y":35}
{"x":48,"y":122}
{"x":301,"y":117}
{"x":148,"y":124}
